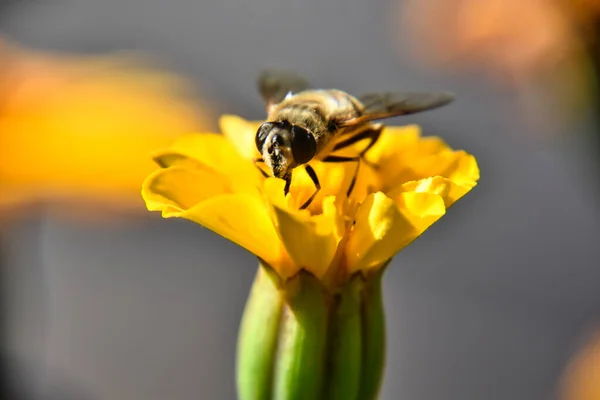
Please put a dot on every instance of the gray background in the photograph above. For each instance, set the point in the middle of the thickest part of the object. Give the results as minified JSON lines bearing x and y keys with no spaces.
{"x":488,"y":304}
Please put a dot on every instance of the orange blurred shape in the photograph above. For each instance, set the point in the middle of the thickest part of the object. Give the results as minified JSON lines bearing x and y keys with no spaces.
{"x":510,"y":38}
{"x":77,"y":132}
{"x":582,"y":377}
{"x":584,"y":10}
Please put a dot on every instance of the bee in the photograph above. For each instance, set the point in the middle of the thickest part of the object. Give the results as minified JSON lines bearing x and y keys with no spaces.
{"x":305,"y":124}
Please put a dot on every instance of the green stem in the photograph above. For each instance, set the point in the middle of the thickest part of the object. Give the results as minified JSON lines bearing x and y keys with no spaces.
{"x":257,"y":341}
{"x":301,"y":339}
{"x":345,"y":341}
{"x":373,"y":320}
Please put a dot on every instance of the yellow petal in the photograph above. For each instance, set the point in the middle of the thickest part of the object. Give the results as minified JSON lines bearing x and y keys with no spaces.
{"x":241,"y":134}
{"x":458,"y":166}
{"x":311,"y":241}
{"x":443,"y":187}
{"x":384,"y":226}
{"x":402,"y":156}
{"x":243,"y":219}
{"x":175,"y":189}
{"x":392,"y":140}
{"x":214,"y":151}
{"x":206,"y":198}
{"x":334,"y":179}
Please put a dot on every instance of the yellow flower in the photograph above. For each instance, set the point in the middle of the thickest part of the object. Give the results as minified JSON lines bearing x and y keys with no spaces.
{"x":211,"y":179}
{"x":78,"y":128}
{"x":313,"y":326}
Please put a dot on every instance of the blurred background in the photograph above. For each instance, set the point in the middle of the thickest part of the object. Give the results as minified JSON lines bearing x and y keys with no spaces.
{"x":102,"y":300}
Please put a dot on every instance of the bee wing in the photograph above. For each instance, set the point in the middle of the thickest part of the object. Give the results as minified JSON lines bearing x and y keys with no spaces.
{"x":393,"y":104}
{"x":275,"y":85}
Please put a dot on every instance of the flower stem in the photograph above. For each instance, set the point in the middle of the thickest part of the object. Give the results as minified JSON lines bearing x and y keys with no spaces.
{"x":373,"y":320}
{"x":258,"y":339}
{"x":345,"y":339}
{"x":300,"y":339}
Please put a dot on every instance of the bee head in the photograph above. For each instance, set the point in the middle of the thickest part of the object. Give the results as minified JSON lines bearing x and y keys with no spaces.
{"x":284,"y":146}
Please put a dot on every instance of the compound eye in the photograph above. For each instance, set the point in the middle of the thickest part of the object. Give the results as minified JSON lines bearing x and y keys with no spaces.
{"x":261,"y":135}
{"x":304,"y":145}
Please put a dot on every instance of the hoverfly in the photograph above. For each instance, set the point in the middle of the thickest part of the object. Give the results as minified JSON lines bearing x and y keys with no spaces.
{"x":305,"y":124}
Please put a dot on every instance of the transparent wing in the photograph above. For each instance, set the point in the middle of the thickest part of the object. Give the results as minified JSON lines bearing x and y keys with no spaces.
{"x":275,"y":85}
{"x":392,"y":104}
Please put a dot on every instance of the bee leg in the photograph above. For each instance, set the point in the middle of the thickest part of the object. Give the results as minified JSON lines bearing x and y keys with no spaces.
{"x":372,"y":134}
{"x":257,"y":160}
{"x":313,"y":176}
{"x":334,"y":159}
